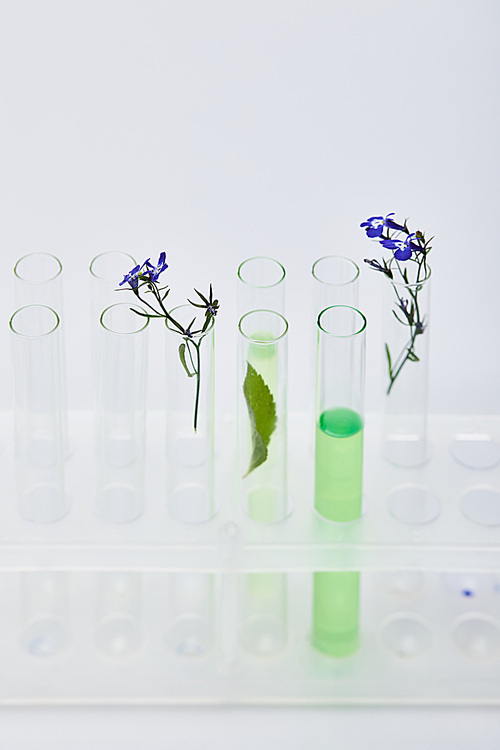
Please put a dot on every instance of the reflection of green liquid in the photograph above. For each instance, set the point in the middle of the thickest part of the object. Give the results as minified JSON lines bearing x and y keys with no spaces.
{"x":336,"y":613}
{"x":339,"y":465}
{"x":263,"y":586}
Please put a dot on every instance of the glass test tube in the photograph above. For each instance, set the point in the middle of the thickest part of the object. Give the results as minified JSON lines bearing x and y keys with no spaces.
{"x":405,"y":423}
{"x":190,"y":452}
{"x":121,"y":414}
{"x":339,"y":467}
{"x":335,"y":282}
{"x":261,"y":285}
{"x":118,"y":630}
{"x":262,"y":415}
{"x":45,"y":622}
{"x":38,"y":281}
{"x":340,"y":413}
{"x":106,"y":271}
{"x":38,"y":414}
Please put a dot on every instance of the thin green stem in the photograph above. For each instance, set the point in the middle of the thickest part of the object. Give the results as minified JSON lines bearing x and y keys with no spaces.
{"x":409,"y":350}
{"x":198,"y":381}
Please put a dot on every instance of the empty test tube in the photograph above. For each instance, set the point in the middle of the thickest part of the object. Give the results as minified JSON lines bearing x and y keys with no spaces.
{"x":38,"y":414}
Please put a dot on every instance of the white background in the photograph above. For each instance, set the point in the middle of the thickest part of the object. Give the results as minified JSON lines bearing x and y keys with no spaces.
{"x":219,"y":130}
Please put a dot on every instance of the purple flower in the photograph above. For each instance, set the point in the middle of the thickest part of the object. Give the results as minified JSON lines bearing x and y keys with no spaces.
{"x":390,"y":224}
{"x":374,"y":226}
{"x":153,"y":272}
{"x":402,"y":248}
{"x":132,"y":278}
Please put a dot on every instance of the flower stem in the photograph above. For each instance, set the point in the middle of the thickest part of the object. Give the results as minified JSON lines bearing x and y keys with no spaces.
{"x":198,"y":381}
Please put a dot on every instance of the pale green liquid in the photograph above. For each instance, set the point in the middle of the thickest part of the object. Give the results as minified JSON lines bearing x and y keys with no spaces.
{"x":338,"y":494}
{"x":339,"y":465}
{"x":336,"y":613}
{"x":266,"y":502}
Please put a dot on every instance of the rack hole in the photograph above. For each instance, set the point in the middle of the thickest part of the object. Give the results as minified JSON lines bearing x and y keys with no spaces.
{"x":481,"y":505}
{"x":413,"y":505}
{"x":406,"y":635}
{"x":477,"y":636}
{"x":475,"y":451}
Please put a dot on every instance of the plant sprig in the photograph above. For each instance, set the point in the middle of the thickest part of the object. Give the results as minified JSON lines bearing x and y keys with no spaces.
{"x":143,"y":280}
{"x":408,"y":248}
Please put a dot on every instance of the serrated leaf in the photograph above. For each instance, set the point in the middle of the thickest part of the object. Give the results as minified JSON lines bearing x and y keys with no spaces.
{"x":262,"y":414}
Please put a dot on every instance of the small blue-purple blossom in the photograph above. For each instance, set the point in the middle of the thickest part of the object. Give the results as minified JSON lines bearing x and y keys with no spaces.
{"x":403,"y":304}
{"x":402,"y":249}
{"x":390,"y":224}
{"x":153,"y":272}
{"x":132,"y":278}
{"x":374,"y":226}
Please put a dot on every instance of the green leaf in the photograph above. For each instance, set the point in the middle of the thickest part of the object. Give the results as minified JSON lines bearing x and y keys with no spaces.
{"x":262,"y":413}
{"x":412,"y":356}
{"x":404,"y":322}
{"x":389,"y":360}
{"x":182,"y":357}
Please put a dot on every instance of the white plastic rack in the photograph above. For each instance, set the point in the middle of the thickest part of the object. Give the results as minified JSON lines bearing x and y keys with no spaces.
{"x":88,"y":611}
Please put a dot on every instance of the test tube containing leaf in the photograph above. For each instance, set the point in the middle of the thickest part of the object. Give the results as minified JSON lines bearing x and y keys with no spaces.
{"x":262,"y":415}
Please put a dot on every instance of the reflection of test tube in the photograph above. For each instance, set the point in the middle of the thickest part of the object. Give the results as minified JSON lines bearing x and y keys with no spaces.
{"x":336,"y":612}
{"x":263,"y":613}
{"x":261,"y":285}
{"x":262,"y":415}
{"x":121,"y":414}
{"x":119,"y":632}
{"x":38,"y":281}
{"x":44,"y":597}
{"x":190,"y":615}
{"x":38,"y":413}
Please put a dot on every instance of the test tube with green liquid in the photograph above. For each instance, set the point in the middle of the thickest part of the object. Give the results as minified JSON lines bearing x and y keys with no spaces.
{"x":338,"y":467}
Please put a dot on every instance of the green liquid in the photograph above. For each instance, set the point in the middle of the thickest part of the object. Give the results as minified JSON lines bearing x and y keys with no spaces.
{"x":338,"y":494}
{"x":336,"y":613}
{"x":265,"y":501}
{"x":339,"y":465}
{"x":264,"y":504}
